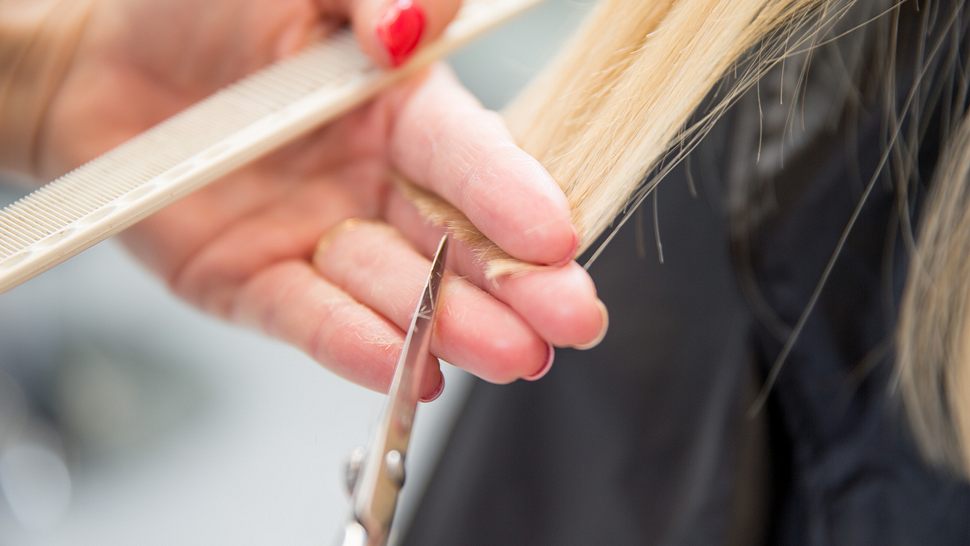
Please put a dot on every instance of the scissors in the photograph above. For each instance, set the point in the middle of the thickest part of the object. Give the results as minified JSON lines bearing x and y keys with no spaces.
{"x":375,"y":477}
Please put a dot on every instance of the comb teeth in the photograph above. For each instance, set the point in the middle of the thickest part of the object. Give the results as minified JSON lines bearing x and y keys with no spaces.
{"x":85,"y":191}
{"x":229,"y":129}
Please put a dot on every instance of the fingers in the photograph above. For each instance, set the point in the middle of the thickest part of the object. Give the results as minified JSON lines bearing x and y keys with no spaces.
{"x":390,"y":31}
{"x":443,"y":140}
{"x":372,"y":263}
{"x":559,"y":303}
{"x":287,"y":227}
{"x":291,"y":302}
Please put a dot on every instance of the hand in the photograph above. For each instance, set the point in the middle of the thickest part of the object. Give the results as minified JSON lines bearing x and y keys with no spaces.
{"x":246,"y":248}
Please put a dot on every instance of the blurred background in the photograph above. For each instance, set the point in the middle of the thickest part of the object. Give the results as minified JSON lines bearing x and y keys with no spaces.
{"x":127,"y":417}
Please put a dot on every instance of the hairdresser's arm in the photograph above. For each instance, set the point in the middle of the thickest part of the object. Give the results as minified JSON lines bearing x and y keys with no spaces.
{"x":246,"y":248}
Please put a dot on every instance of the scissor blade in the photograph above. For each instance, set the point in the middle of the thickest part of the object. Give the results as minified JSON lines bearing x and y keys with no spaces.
{"x":411,"y":366}
{"x":381,"y":478}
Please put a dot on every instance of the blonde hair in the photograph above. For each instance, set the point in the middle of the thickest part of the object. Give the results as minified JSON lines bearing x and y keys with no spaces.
{"x":934,"y":326}
{"x":618,"y":102}
{"x":642,"y":83}
{"x":37,"y":44}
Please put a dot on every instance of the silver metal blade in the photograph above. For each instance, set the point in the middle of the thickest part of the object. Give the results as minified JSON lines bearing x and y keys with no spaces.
{"x":375,"y":497}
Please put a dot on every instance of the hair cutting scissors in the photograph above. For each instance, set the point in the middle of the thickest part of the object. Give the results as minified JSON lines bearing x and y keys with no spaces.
{"x":375,"y":477}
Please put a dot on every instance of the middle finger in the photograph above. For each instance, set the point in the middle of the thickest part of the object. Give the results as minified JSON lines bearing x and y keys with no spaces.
{"x":377,"y":267}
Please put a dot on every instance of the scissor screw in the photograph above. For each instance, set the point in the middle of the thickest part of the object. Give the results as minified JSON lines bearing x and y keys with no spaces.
{"x":394,"y":464}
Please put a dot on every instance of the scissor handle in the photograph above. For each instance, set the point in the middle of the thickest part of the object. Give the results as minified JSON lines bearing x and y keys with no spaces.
{"x":354,"y":535}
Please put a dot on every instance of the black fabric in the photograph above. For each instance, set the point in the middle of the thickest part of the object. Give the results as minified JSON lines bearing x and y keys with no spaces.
{"x":645,"y":440}
{"x":636,"y":441}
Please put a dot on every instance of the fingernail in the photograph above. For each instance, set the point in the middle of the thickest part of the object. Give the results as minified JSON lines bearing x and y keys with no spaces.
{"x":572,"y":251}
{"x":545,"y":368}
{"x":602,"y":334}
{"x":437,"y":392}
{"x":399,"y":28}
{"x":325,"y":240}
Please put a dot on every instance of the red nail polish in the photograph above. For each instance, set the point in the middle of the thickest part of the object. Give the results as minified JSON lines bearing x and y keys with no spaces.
{"x":400,"y":28}
{"x":436,"y":393}
{"x":545,"y":369}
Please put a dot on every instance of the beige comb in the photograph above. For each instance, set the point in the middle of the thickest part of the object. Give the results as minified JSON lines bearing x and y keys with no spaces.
{"x":224,"y":132}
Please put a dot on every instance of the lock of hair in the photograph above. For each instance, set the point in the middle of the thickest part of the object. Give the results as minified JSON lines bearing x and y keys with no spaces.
{"x":233,"y":127}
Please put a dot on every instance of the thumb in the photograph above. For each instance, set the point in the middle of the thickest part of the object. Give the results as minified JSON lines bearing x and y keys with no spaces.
{"x":390,"y":31}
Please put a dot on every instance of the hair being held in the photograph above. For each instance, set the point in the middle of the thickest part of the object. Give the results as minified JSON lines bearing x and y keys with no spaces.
{"x":642,"y":82}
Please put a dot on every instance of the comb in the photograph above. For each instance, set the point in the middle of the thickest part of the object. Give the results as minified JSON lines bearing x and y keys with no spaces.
{"x":233,"y":127}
